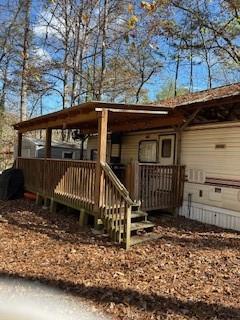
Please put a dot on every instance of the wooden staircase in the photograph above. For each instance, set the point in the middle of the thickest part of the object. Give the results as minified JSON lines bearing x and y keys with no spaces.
{"x":122,"y":218}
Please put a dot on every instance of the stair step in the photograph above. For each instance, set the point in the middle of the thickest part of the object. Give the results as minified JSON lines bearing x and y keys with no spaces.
{"x":134,"y":215}
{"x":141,"y":225}
{"x":146,"y":237}
{"x":138,"y":214}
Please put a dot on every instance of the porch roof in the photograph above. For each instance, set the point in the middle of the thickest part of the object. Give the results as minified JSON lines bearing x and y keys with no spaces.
{"x":122,"y":118}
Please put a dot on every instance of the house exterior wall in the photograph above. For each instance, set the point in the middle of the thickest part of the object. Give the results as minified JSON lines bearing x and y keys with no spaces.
{"x":129,"y":145}
{"x":57,"y":152}
{"x":211,"y":154}
{"x":131,"y":141}
{"x":28,"y":149}
{"x":92,"y":144}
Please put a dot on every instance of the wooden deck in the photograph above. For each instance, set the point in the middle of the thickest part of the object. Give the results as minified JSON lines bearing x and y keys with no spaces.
{"x":73,"y":183}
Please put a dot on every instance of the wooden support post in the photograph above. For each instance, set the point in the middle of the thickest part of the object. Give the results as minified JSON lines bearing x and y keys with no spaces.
{"x":53,"y":206}
{"x":136,"y":180}
{"x":128,"y":228}
{"x":101,"y":156}
{"x":179,"y":146}
{"x":39,"y":199}
{"x":45,"y":203}
{"x":179,"y":131}
{"x":48,"y":143}
{"x":82,"y":218}
{"x":19,"y":145}
{"x":132,"y":180}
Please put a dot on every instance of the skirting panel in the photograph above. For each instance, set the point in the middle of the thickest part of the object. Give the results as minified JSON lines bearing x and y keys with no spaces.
{"x":211,"y":215}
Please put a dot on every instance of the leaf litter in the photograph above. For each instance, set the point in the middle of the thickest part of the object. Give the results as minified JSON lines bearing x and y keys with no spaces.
{"x":191,"y":272}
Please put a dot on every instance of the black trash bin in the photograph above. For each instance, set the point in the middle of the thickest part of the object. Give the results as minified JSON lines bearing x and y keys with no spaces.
{"x":11,"y":184}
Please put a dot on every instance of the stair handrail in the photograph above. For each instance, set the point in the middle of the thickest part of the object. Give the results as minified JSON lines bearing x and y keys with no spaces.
{"x":117,"y":183}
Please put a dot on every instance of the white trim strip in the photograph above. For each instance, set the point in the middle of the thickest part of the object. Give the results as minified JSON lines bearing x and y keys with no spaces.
{"x":132,"y":111}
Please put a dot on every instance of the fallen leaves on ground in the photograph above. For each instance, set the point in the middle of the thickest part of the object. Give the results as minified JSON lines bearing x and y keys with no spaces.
{"x":191,"y":272}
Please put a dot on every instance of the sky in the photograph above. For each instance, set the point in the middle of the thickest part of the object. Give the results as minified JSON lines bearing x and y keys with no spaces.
{"x":53,"y":101}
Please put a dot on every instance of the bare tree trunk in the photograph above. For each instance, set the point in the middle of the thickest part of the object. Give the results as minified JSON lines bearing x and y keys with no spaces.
{"x":206,"y":56}
{"x":76,"y":49}
{"x":26,"y":4}
{"x":177,"y":70}
{"x":103,"y":47}
{"x":4,"y":86}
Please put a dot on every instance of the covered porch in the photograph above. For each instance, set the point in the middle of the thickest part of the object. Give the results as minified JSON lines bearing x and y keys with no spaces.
{"x":91,"y":186}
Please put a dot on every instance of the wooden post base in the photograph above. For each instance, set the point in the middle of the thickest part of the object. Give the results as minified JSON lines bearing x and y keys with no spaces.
{"x":45,"y":203}
{"x":97,"y":223}
{"x":39,"y":200}
{"x":82,"y":218}
{"x":53,"y":206}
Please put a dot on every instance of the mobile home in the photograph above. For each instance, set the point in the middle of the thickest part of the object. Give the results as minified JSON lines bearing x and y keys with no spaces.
{"x":207,"y":143}
{"x":180,"y":156}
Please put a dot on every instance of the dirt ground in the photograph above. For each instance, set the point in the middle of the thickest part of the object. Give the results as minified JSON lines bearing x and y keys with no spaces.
{"x":191,"y":272}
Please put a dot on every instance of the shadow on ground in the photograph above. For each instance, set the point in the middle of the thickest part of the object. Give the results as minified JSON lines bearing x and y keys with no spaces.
{"x":158,"y":304}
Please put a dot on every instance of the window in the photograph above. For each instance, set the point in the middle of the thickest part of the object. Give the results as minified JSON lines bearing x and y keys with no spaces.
{"x":68,"y":155}
{"x":166,"y":148}
{"x":148,"y":151}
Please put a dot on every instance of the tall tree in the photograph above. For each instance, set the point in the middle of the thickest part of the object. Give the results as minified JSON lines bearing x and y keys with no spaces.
{"x":25,"y":5}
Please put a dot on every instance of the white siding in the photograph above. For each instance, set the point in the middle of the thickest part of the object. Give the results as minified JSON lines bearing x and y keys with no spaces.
{"x":92,"y":144}
{"x":130,"y":144}
{"x":198,"y":151}
{"x":218,"y":205}
{"x":211,"y":215}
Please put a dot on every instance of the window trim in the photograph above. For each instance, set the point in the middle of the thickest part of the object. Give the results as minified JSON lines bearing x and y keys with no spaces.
{"x":174,"y":145}
{"x":146,"y":140}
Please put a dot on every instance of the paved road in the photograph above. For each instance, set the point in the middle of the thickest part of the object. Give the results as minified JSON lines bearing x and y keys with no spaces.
{"x":22,"y":300}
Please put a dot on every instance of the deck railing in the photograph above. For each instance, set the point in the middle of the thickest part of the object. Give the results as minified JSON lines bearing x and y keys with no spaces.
{"x":69,"y":182}
{"x":72,"y":183}
{"x":115,"y":207}
{"x":160,"y":187}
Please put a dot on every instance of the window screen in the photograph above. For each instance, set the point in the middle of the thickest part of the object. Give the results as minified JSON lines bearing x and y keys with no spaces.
{"x":166,"y":148}
{"x":148,"y":151}
{"x":68,"y":155}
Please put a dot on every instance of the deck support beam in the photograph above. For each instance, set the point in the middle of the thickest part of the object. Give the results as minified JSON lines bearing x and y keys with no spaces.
{"x":48,"y":143}
{"x":101,"y":156}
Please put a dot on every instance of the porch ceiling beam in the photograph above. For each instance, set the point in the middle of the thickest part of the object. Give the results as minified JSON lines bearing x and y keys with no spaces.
{"x":59,"y":122}
{"x":148,"y":123}
{"x":191,"y":118}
